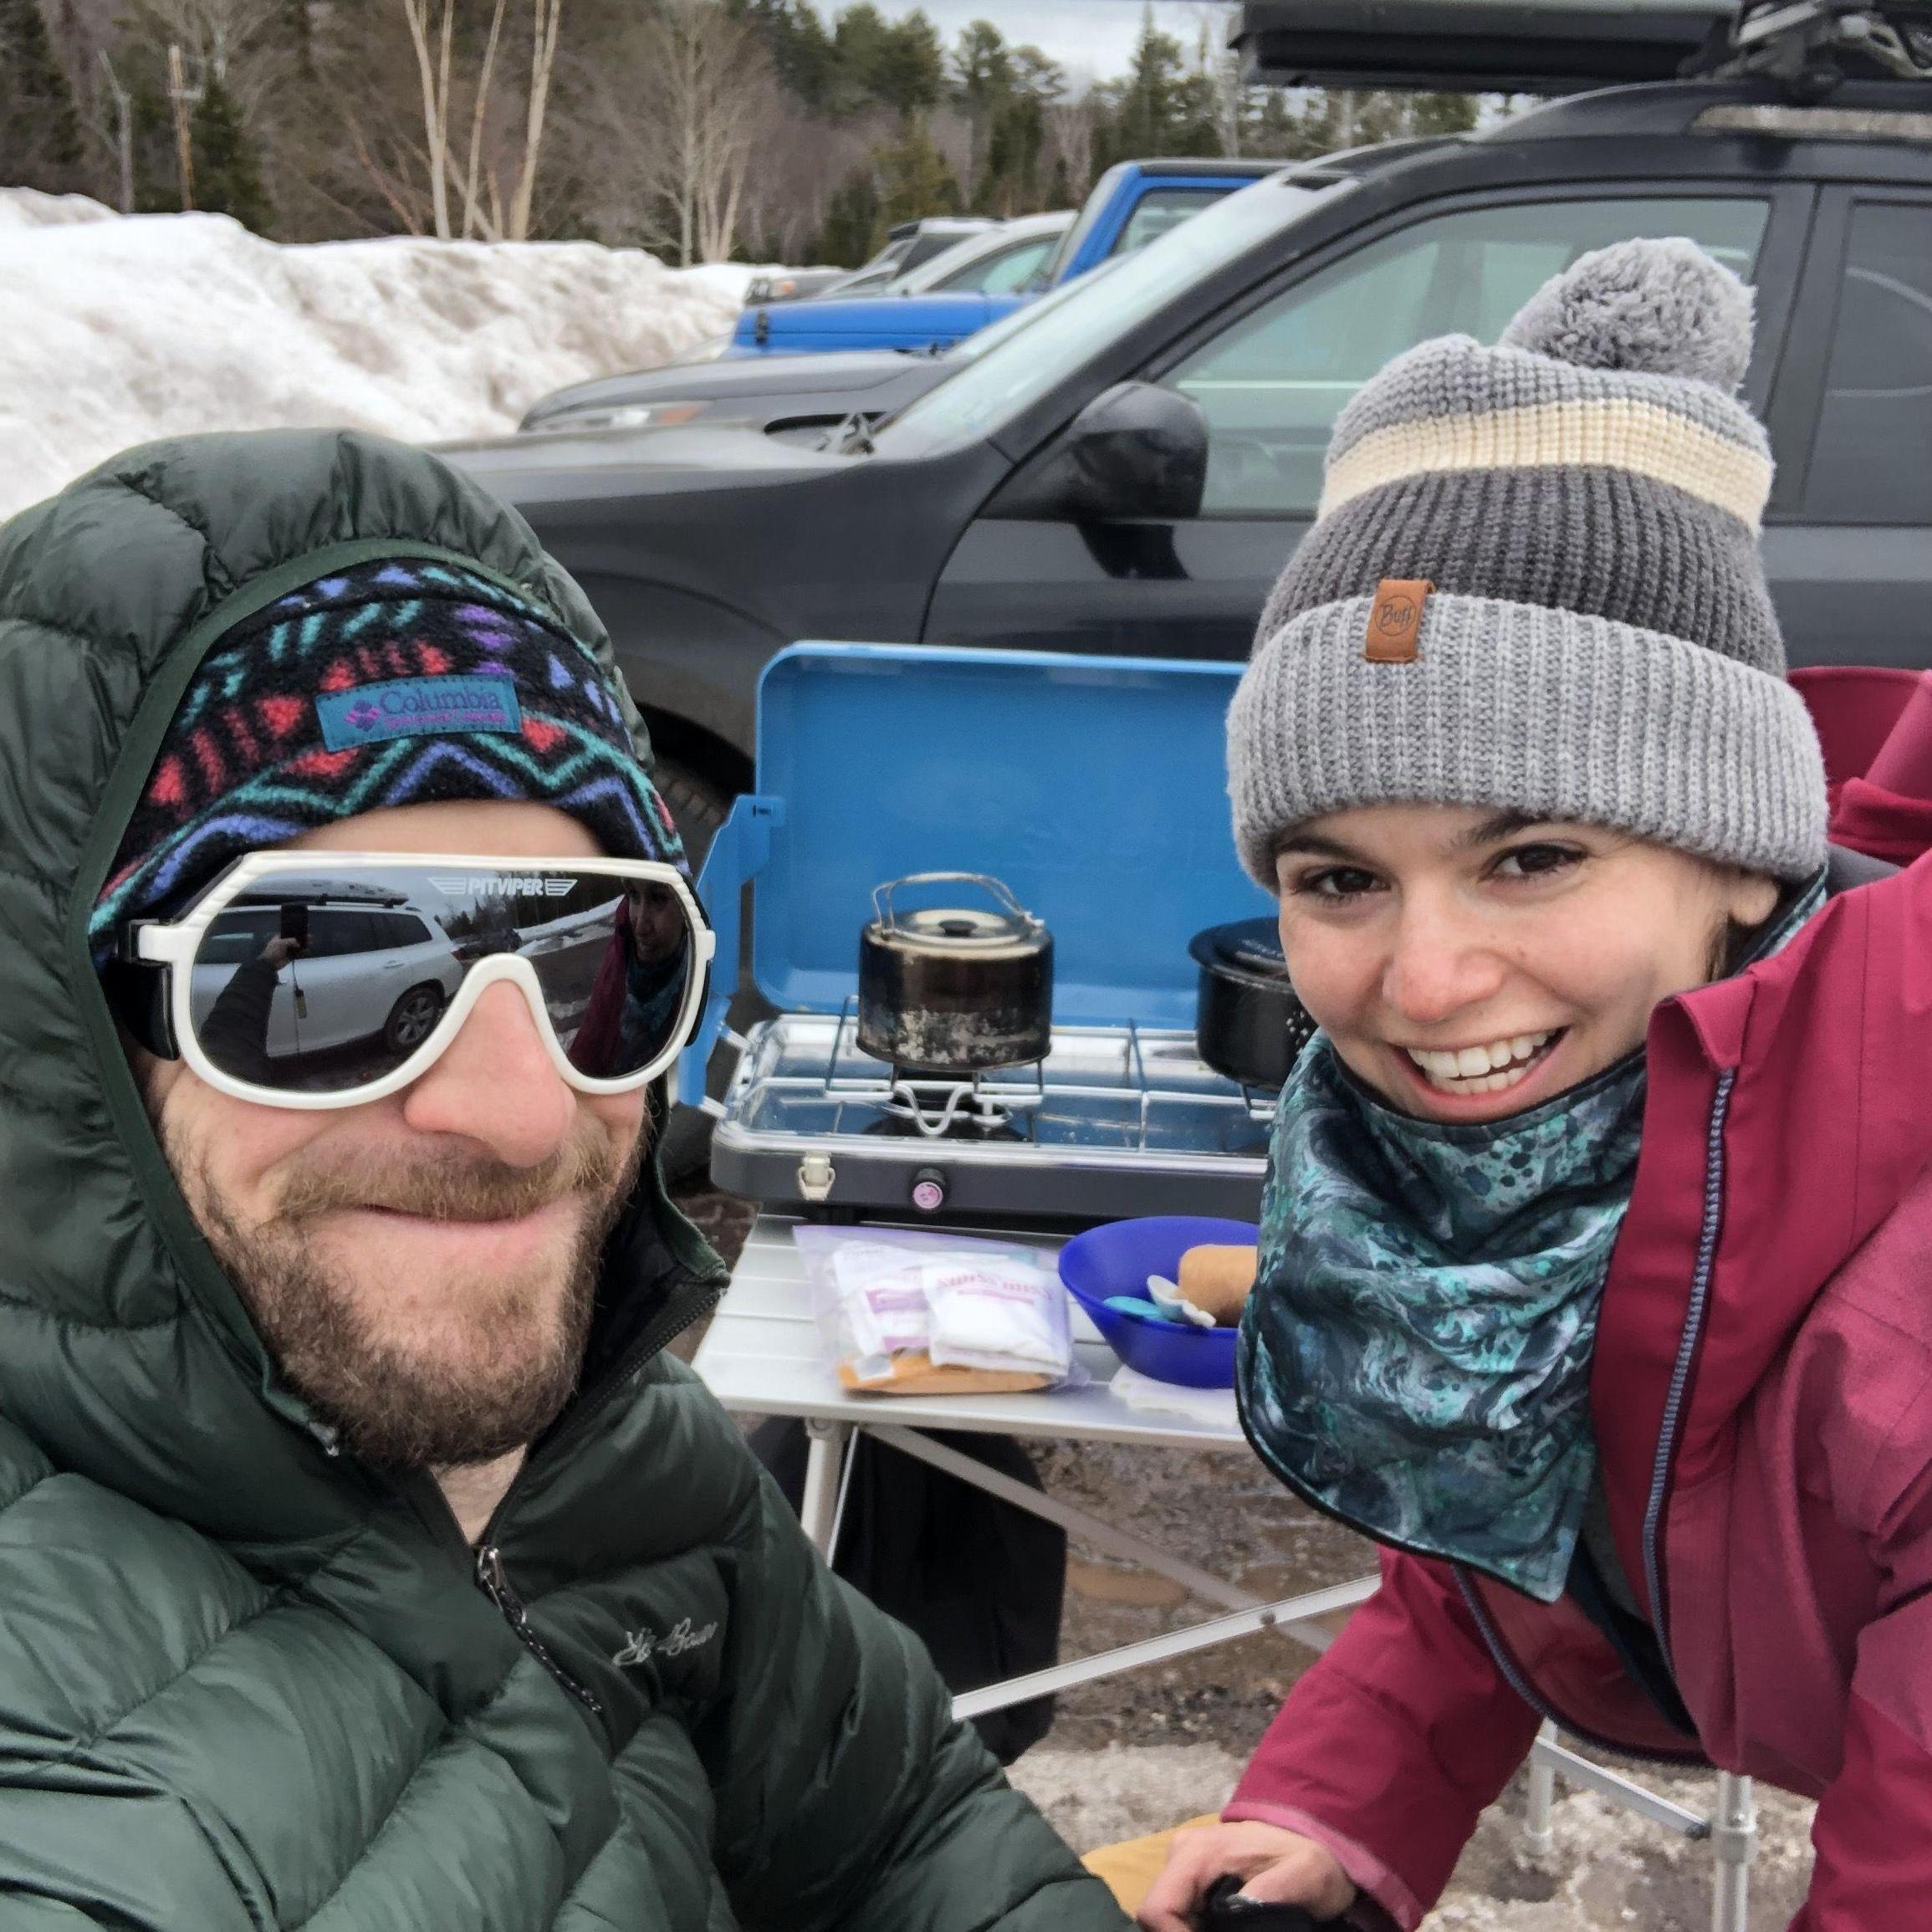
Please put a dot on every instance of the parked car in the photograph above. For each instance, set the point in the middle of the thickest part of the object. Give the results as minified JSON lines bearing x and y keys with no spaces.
{"x":326,"y":996}
{"x":908,"y":245}
{"x":1127,"y":471}
{"x":797,"y":396}
{"x":1006,"y":260}
{"x":791,"y":284}
{"x":1131,"y":204}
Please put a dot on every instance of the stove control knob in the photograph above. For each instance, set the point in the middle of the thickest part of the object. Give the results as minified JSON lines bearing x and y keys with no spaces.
{"x":929,"y":1190}
{"x":815,"y":1175}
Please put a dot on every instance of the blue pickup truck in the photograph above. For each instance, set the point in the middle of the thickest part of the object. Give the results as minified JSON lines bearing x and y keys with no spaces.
{"x":1131,"y":204}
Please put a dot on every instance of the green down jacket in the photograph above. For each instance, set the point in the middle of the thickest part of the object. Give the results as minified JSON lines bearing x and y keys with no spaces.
{"x":247,"y":1683}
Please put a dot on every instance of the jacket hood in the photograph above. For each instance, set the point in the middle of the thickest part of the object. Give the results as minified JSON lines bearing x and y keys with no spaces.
{"x":125,"y":1352}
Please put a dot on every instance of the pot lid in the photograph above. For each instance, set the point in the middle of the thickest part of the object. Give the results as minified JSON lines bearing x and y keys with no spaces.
{"x":948,"y":925}
{"x":1251,"y":946}
{"x":946,"y":928}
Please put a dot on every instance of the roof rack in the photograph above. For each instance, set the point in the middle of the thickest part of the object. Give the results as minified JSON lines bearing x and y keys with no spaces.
{"x":1474,"y":46}
{"x":1809,"y":47}
{"x":1556,"y":47}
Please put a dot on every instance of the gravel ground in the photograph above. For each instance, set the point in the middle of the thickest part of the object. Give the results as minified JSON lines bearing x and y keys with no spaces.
{"x":1140,"y":1753}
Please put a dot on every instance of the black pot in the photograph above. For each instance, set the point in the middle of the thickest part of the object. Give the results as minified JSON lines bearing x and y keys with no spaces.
{"x":1248,"y":1024}
{"x":951,"y":990}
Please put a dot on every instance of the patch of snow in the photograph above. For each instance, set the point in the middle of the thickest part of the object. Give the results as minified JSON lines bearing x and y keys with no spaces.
{"x":116,"y":329}
{"x":1098,"y":1797}
{"x":29,"y":208}
{"x":1610,"y":1870}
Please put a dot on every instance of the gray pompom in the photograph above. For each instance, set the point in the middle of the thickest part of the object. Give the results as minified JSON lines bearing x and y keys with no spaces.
{"x":1662,"y":306}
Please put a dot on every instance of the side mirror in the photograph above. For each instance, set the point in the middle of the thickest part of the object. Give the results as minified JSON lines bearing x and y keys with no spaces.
{"x":1136,"y":450}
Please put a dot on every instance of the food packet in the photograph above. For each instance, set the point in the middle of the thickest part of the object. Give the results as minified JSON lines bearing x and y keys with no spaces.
{"x":997,"y":1311}
{"x":914,"y":1310}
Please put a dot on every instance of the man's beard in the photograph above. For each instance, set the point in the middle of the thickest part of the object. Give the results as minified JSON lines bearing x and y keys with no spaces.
{"x":403,"y":1408}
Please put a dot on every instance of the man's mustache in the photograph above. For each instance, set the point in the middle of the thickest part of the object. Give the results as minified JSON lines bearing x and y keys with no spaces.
{"x":452,"y":1186}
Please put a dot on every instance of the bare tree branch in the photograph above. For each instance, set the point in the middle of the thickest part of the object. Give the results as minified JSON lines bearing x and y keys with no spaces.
{"x":123,"y":132}
{"x":184,"y":143}
{"x":381,"y":183}
{"x":434,"y":77}
{"x":707,"y":92}
{"x":546,"y":18}
{"x":471,"y":211}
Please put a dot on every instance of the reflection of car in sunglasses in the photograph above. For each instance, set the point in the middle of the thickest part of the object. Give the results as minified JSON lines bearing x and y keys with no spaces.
{"x":372,"y":967}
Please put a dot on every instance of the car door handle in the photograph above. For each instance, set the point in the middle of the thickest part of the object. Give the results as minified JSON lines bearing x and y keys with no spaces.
{"x":392,"y":965}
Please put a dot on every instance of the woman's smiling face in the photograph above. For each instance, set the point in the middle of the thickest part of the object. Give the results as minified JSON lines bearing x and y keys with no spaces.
{"x":1469,"y":964}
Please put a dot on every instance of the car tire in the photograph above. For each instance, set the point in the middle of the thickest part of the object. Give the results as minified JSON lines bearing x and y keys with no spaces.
{"x":699,"y":808}
{"x":413,"y":1017}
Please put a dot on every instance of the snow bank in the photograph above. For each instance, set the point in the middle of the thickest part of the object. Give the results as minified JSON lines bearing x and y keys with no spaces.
{"x":28,"y":209}
{"x":114,"y":330}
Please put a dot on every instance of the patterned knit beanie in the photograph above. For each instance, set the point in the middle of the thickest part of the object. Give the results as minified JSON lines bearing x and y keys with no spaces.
{"x":1534,"y":583}
{"x":392,"y":683}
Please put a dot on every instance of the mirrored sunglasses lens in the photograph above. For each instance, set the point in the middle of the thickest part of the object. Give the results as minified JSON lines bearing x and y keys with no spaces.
{"x":616,"y":993}
{"x":320,"y":984}
{"x":327,"y":982}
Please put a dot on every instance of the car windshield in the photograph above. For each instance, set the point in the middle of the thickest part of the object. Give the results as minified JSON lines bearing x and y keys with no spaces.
{"x":1007,"y":259}
{"x":993,"y":381}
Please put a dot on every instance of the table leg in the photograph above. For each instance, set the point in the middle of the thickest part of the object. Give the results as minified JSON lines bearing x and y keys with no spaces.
{"x":1733,"y":1840}
{"x":826,"y":1443}
{"x":1537,"y":1834}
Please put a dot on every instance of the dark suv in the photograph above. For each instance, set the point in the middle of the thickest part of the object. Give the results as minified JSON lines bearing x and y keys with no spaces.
{"x":1125,"y":468}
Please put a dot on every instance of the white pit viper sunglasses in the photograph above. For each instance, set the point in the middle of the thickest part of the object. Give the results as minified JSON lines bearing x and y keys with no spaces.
{"x":326,"y":980}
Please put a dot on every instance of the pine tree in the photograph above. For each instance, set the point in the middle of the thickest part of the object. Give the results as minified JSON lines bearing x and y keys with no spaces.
{"x":40,"y":144}
{"x":855,"y":227}
{"x":227,"y":169}
{"x":1161,"y":108}
{"x":915,"y":177}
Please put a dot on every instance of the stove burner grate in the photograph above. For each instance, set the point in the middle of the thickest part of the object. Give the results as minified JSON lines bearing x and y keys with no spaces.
{"x":937,"y":1107}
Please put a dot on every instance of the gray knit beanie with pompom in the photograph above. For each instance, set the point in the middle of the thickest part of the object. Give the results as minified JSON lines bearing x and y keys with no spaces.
{"x":1534,"y":583}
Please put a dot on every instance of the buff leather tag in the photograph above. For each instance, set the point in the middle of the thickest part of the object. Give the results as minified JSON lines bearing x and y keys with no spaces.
{"x":1395,"y":620}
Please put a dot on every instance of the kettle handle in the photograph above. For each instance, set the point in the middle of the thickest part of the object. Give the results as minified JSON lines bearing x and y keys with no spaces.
{"x":883,"y":895}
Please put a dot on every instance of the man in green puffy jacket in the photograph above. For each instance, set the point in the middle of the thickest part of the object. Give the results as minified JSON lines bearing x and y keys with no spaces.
{"x":364,"y":1562}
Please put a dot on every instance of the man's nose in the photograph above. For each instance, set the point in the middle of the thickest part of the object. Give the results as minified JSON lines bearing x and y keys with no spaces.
{"x":497,"y":1085}
{"x":1441,"y":962}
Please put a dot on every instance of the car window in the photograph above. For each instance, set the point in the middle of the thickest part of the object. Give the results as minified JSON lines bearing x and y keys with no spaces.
{"x":236,"y":936}
{"x":1272,"y":384}
{"x":1160,"y":209}
{"x":399,"y":929}
{"x":333,"y":933}
{"x":1047,"y":340}
{"x":1001,"y":272}
{"x":1872,"y":456}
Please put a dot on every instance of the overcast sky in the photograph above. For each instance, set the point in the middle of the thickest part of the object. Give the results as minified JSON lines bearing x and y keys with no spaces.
{"x":1092,"y":39}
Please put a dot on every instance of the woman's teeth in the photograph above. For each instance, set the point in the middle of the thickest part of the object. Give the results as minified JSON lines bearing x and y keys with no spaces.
{"x":1491,"y":1069}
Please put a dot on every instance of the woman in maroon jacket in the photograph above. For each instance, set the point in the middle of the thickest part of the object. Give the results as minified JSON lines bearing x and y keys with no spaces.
{"x":1596,"y":1271}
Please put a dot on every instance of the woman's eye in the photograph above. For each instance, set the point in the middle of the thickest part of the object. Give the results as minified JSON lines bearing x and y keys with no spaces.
{"x":1337,"y":882}
{"x":1536,"y":861}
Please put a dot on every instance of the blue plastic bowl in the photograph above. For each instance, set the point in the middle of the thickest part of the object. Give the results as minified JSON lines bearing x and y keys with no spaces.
{"x":1117,"y":1258}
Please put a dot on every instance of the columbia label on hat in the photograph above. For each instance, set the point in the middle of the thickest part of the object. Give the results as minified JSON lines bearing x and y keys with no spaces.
{"x":1395,"y":620}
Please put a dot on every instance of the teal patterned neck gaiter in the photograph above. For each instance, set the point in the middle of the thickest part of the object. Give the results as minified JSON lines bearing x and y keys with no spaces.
{"x":1415,"y":1358}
